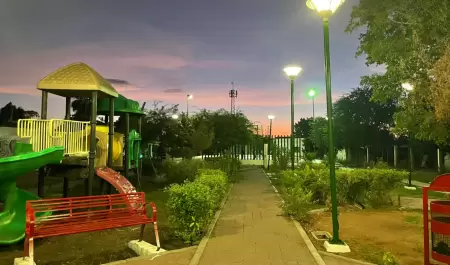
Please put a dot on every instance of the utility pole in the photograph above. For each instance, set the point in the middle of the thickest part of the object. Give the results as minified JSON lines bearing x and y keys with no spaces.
{"x":233,"y":95}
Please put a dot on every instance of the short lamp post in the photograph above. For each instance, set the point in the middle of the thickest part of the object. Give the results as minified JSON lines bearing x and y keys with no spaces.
{"x":271,"y":117}
{"x":188,"y":98}
{"x":292,"y":72}
{"x":325,"y":8}
{"x":312,"y":95}
{"x":408,"y":88}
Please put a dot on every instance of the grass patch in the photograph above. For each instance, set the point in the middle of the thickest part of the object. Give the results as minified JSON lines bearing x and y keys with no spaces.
{"x":402,"y":192}
{"x":424,"y":175}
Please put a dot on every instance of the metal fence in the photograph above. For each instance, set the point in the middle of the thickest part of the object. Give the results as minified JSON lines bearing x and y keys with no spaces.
{"x":256,"y":152}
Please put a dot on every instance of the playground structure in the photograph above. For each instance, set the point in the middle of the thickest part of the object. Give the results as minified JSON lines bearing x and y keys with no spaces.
{"x":70,"y":148}
{"x":438,"y":223}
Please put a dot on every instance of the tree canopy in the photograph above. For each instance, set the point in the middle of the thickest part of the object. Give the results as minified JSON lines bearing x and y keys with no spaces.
{"x":10,"y":114}
{"x":409,"y":38}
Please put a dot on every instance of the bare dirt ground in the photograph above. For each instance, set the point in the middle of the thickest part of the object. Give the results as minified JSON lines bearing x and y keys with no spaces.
{"x":370,"y":233}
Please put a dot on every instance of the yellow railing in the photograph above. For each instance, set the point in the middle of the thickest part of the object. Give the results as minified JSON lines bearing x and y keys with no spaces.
{"x":72,"y":135}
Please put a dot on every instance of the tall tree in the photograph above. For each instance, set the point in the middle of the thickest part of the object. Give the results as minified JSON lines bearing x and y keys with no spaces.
{"x":408,"y":37}
{"x":10,"y":114}
{"x":302,"y":129}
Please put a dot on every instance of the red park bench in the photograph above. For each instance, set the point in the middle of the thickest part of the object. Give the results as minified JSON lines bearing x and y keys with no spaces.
{"x":85,"y":214}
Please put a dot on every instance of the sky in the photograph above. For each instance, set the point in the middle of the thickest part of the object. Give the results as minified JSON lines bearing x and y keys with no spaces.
{"x":162,"y":50}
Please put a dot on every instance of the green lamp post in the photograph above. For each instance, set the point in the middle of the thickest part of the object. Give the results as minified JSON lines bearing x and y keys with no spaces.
{"x":312,"y":95}
{"x":292,"y":72}
{"x":326,"y":8}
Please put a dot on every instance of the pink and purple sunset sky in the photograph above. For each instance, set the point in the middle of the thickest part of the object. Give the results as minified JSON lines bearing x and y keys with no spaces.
{"x":163,"y":50}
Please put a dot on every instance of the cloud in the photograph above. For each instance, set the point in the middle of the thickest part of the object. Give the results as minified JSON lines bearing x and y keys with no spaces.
{"x":118,"y":81}
{"x":173,"y":90}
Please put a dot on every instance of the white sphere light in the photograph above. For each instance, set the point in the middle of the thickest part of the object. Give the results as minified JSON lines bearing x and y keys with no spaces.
{"x":271,"y":117}
{"x":292,"y":71}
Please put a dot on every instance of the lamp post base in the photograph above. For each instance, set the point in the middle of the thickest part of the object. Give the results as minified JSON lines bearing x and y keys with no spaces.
{"x":336,"y":248}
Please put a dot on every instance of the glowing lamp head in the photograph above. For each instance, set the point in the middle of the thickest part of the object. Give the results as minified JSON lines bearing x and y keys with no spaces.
{"x":271,"y":117}
{"x":292,"y":71}
{"x":312,"y":93}
{"x":175,"y":116}
{"x":324,"y":7}
{"x":190,"y":96}
{"x":407,"y":87}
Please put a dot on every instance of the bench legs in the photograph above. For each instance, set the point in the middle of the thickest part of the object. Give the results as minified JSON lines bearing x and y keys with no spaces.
{"x":158,"y":245}
{"x":155,"y":226}
{"x":29,"y":249}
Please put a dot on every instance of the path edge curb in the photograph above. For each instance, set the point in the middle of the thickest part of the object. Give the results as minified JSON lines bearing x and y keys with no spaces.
{"x":149,"y":257}
{"x":345,"y":258}
{"x":201,"y":247}
{"x":312,"y":249}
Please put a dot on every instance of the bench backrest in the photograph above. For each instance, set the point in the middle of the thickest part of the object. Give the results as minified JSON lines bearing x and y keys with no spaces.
{"x":70,"y":210}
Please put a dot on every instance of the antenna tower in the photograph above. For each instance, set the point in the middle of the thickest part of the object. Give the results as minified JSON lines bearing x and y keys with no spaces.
{"x":233,"y":95}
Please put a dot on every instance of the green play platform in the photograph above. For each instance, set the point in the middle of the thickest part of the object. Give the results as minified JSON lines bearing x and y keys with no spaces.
{"x":12,"y":218}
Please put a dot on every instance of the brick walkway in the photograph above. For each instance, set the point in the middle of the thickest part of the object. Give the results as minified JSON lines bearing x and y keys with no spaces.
{"x":250,"y":230}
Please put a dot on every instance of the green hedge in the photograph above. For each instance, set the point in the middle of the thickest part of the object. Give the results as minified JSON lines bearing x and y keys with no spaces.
{"x":192,"y":205}
{"x":228,"y":164}
{"x":310,"y":183}
{"x":180,"y":171}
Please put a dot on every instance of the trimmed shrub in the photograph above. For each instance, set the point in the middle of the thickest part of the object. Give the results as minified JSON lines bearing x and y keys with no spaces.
{"x":296,"y":202}
{"x":227,"y":164}
{"x":180,"y":171}
{"x":373,"y":187}
{"x":190,"y":207}
{"x":216,"y":180}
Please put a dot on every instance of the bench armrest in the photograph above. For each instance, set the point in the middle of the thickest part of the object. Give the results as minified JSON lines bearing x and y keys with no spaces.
{"x":154,"y":212}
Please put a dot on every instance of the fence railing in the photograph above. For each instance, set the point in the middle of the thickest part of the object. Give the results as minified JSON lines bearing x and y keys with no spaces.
{"x":252,"y":152}
{"x":72,"y":135}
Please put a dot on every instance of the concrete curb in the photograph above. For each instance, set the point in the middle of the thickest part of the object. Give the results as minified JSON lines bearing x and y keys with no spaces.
{"x":201,"y":247}
{"x":312,"y":249}
{"x":345,"y":258}
{"x":148,"y":257}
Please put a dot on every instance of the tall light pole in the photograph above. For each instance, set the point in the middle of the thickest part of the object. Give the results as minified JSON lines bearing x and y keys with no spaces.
{"x":271,"y":117}
{"x":312,"y":95}
{"x":326,"y":8}
{"x":408,"y":88}
{"x":188,"y":97}
{"x":292,"y":72}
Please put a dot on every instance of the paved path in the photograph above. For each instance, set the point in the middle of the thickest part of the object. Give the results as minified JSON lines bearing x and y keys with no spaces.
{"x":250,"y":230}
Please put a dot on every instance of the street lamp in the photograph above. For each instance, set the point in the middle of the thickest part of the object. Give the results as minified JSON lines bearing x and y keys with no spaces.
{"x":271,"y":117}
{"x":326,"y":8}
{"x":188,"y":97}
{"x":175,"y":116}
{"x":292,"y":72}
{"x":312,"y":95}
{"x":408,"y":88}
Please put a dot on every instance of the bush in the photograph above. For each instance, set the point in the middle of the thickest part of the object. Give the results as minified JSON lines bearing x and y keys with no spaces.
{"x":388,"y":259}
{"x":179,"y":171}
{"x":296,"y":203}
{"x":280,"y":157}
{"x":373,"y":187}
{"x":227,"y":164}
{"x":190,"y":207}
{"x":216,"y":180}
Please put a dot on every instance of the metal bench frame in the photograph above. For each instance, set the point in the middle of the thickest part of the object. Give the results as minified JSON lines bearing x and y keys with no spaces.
{"x":86,"y":214}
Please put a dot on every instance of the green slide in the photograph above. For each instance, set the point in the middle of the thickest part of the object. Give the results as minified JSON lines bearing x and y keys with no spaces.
{"x":12,"y":218}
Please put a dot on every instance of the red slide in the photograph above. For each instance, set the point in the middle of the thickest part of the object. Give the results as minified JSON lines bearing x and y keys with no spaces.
{"x":114,"y":178}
